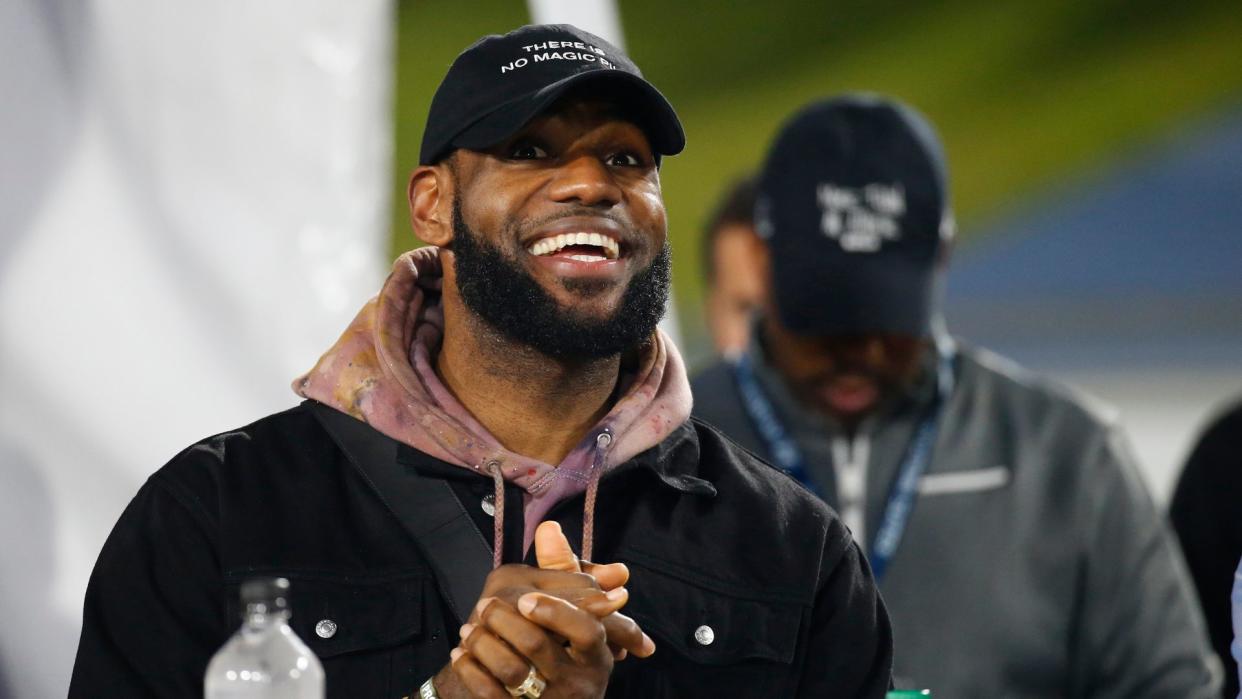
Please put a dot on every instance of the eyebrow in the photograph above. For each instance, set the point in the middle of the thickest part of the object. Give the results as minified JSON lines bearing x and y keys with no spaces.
{"x":595,"y":102}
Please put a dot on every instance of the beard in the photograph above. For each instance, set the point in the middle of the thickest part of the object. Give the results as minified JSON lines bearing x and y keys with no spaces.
{"x":498,"y":289}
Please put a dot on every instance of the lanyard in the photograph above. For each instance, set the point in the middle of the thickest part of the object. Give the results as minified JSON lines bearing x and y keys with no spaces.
{"x":783,"y":449}
{"x":904,"y":490}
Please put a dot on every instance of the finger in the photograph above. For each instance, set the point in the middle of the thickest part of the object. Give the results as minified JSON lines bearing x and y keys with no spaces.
{"x":625,"y":634}
{"x":516,"y":575}
{"x":583,"y":630}
{"x":529,"y":640}
{"x":493,"y":653}
{"x":552,"y":580}
{"x":475,"y":678}
{"x":600,"y":604}
{"x":578,"y":589}
{"x":608,"y":575}
{"x":552,"y":549}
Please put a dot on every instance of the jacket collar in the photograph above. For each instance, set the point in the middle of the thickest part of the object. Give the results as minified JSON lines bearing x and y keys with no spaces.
{"x":674,"y":462}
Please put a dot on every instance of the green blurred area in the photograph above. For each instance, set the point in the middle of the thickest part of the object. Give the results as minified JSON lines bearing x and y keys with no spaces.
{"x":1025,"y":93}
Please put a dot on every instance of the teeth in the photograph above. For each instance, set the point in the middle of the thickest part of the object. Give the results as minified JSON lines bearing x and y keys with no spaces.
{"x":552,"y":244}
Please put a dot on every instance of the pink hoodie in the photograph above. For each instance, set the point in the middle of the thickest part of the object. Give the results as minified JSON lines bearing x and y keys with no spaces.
{"x":382,"y":371}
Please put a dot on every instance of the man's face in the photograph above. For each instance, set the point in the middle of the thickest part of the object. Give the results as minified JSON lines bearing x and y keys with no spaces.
{"x":560,"y":233}
{"x":846,"y":376}
{"x":739,"y":276}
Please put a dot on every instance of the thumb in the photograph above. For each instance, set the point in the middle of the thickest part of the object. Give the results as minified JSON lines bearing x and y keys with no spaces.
{"x":552,"y":549}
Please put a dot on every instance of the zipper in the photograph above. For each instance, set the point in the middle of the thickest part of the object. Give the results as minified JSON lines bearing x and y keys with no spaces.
{"x":849,"y":461}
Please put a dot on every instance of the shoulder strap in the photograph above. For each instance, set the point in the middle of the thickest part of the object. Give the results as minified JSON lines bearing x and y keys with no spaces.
{"x":426,"y":507}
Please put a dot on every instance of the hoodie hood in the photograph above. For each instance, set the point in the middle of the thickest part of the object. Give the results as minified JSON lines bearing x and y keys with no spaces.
{"x":382,"y":371}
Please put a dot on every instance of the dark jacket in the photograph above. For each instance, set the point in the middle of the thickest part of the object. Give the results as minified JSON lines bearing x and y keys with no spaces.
{"x":712,"y":535}
{"x":1034,"y":563}
{"x":1207,"y":514}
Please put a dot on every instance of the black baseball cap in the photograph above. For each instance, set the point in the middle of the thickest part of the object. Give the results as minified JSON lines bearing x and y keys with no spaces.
{"x":501,"y":82}
{"x":853,"y":203}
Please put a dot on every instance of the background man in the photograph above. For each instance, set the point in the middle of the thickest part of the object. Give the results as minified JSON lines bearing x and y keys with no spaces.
{"x":1017,"y":548}
{"x":735,"y":264}
{"x":512,"y":374}
{"x":1207,"y":515}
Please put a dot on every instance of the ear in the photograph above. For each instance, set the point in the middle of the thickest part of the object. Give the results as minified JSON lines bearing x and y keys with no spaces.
{"x":943,"y":254}
{"x":948,"y":234}
{"x":763,"y":265}
{"x":430,"y":195}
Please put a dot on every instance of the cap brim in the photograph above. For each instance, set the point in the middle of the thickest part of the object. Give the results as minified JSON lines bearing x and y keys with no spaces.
{"x":892,"y":297}
{"x":651,"y":111}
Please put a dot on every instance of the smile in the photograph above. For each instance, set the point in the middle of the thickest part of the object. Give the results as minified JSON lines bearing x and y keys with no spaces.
{"x":583,"y":247}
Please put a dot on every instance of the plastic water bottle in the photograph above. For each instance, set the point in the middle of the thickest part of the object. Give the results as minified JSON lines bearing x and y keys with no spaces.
{"x":265,"y":659}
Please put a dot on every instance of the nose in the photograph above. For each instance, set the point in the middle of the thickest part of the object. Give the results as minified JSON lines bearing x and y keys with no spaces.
{"x":859,"y":350}
{"x":585,"y":181}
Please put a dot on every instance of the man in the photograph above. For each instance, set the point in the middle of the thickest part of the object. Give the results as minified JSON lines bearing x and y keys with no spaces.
{"x":1236,"y":646}
{"x":736,"y":267}
{"x":1205,"y":513}
{"x":510,"y":375}
{"x":1017,"y":550}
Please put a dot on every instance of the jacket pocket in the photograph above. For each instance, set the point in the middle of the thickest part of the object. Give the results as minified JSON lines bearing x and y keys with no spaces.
{"x":711,"y":640}
{"x":358,"y":626}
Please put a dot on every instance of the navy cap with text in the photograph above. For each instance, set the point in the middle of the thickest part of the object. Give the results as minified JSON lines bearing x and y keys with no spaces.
{"x":501,"y":82}
{"x":853,"y":204}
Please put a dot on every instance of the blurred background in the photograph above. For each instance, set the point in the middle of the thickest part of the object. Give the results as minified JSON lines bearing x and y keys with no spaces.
{"x":195,"y":198}
{"x":1095,"y":157}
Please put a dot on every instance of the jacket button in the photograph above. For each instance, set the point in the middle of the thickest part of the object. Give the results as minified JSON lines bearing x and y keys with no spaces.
{"x":488,"y":503}
{"x":704,"y":635}
{"x":603,"y":440}
{"x":326,"y":628}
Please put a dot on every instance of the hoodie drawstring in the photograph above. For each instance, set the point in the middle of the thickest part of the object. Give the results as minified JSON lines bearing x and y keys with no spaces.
{"x":588,"y":514}
{"x":498,"y":516}
{"x":602,"y":441}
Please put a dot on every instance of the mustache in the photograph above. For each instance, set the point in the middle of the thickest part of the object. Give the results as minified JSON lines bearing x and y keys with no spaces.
{"x":882,"y":381}
{"x":572,"y":211}
{"x":521,"y":230}
{"x":851,"y":369}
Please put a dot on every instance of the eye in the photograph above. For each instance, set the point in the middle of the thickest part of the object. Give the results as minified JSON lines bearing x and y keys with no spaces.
{"x":527,"y":151}
{"x":625,"y":159}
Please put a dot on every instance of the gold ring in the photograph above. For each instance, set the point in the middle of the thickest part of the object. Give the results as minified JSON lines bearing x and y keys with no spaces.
{"x":532,"y":687}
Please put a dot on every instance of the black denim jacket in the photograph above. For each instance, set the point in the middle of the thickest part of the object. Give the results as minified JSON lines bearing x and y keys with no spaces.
{"x":713,"y":537}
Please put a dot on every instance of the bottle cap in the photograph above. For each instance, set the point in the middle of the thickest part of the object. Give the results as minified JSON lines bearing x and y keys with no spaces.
{"x":273,"y":593}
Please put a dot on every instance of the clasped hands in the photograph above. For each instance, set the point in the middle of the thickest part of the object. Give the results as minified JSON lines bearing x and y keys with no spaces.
{"x":561,"y":619}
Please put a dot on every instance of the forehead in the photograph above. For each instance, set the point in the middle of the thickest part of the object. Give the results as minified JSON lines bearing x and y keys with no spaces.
{"x":590,"y":106}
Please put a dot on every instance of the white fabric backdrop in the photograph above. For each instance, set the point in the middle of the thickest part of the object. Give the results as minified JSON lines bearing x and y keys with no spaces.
{"x":192,"y":206}
{"x":600,"y":17}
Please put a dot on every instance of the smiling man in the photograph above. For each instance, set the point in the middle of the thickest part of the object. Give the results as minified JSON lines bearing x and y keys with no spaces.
{"x":502,"y":412}
{"x":1017,"y":549}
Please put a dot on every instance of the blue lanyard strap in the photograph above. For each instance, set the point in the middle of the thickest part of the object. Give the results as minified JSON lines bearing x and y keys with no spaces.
{"x":781,"y":447}
{"x":904,"y":491}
